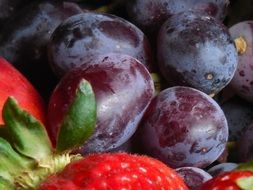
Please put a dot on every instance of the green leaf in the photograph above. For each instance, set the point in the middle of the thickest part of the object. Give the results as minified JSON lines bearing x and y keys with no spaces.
{"x":80,"y":120}
{"x":6,"y":185}
{"x":245,"y":183}
{"x":245,"y":166}
{"x":26,"y":134}
{"x":4,"y":133}
{"x":11,"y":162}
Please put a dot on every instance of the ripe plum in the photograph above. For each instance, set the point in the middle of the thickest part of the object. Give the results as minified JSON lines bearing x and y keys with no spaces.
{"x":89,"y":34}
{"x":184,"y":127}
{"x":239,"y":114}
{"x":193,"y":176}
{"x":123,"y":88}
{"x":242,"y":82}
{"x":196,"y":50}
{"x":151,"y":14}
{"x":221,"y":168}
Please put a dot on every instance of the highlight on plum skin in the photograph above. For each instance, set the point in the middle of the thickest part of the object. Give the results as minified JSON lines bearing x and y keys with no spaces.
{"x":193,"y":177}
{"x":242,"y":82}
{"x":123,"y":88}
{"x":196,"y":50}
{"x":84,"y":36}
{"x":151,"y":14}
{"x":183,"y":127}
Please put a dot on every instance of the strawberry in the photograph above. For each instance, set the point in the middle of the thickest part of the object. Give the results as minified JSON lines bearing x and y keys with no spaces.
{"x":13,"y":83}
{"x":232,"y":180}
{"x":115,"y":171}
{"x":29,"y":162}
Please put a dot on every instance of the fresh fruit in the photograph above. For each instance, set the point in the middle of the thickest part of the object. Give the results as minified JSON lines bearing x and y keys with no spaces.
{"x":24,"y":39}
{"x":29,"y":162}
{"x":27,"y":156}
{"x":221,"y":168}
{"x":183,"y":127}
{"x":123,"y":88}
{"x":193,"y":176}
{"x":87,"y":35}
{"x":244,"y":145}
{"x":13,"y":83}
{"x":234,"y":180}
{"x":196,"y":50}
{"x":242,"y":82}
{"x":115,"y":171}
{"x":239,"y":115}
{"x":151,"y":14}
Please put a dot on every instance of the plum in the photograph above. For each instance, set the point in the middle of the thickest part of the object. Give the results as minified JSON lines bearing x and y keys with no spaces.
{"x":123,"y":88}
{"x":89,"y":34}
{"x":25,"y":37}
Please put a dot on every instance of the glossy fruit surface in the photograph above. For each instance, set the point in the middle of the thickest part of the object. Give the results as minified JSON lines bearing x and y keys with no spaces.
{"x":184,"y":127}
{"x":242,"y":82}
{"x":89,"y":34}
{"x":123,"y":88}
{"x":193,"y":176}
{"x":229,"y":180}
{"x":13,"y":83}
{"x":196,"y":50}
{"x":151,"y":14}
{"x":115,"y":171}
{"x":221,"y":168}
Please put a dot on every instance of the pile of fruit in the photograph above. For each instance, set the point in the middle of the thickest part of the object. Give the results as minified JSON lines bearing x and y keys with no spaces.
{"x":126,"y":95}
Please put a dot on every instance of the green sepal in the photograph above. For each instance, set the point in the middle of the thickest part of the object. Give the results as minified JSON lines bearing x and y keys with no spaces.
{"x":80,"y":119}
{"x":245,"y":166}
{"x":11,"y":162}
{"x":21,"y":126}
{"x":6,"y":185}
{"x":245,"y":183}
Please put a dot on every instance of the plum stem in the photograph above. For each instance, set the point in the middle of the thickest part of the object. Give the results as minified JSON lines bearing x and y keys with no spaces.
{"x":241,"y":45}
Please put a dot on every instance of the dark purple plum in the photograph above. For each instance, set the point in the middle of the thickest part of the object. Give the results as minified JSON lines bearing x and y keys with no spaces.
{"x":239,"y":114}
{"x":196,"y":50}
{"x":242,"y":82}
{"x":123,"y":88}
{"x":222,"y":167}
{"x":86,"y":35}
{"x":244,"y":145}
{"x":25,"y":37}
{"x":151,"y":14}
{"x":193,"y":176}
{"x":184,"y":127}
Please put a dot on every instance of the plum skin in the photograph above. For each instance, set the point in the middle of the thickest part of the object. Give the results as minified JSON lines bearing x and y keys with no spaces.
{"x":196,"y":50}
{"x":184,"y":127}
{"x":123,"y":89}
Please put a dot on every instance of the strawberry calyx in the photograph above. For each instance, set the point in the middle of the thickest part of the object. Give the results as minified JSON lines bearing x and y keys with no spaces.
{"x":245,"y":183}
{"x":27,"y":156}
{"x":53,"y":164}
{"x":80,"y":119}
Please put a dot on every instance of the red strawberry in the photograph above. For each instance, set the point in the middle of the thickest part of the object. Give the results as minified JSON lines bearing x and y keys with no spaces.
{"x":13,"y":83}
{"x":115,"y":171}
{"x":233,"y":180}
{"x":28,"y":160}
